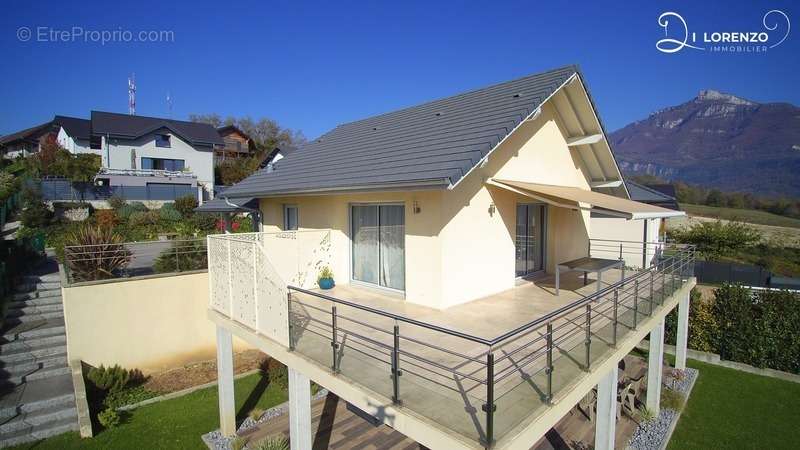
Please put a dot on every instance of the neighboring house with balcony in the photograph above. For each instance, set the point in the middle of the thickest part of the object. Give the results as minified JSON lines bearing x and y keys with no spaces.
{"x":27,"y":141}
{"x":236,"y":144}
{"x":457,"y":231}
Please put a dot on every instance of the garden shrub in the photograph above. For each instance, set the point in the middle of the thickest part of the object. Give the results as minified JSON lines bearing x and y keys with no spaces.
{"x":94,"y":253}
{"x":186,"y":205}
{"x":277,"y":373}
{"x":703,"y":329}
{"x":271,"y":443}
{"x":113,"y":379}
{"x":182,"y":255}
{"x":125,"y":211}
{"x":205,"y":223}
{"x":106,"y":218}
{"x":109,"y":418}
{"x":127,"y":396}
{"x":8,"y":185}
{"x":35,"y":213}
{"x":255,"y":414}
{"x":168,"y":213}
{"x":143,"y":218}
{"x":238,"y":443}
{"x":116,"y":202}
{"x":673,"y":400}
{"x":717,"y":239}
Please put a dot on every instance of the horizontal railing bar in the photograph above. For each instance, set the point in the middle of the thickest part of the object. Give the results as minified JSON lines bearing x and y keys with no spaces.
{"x":442,"y":366}
{"x":442,"y":349}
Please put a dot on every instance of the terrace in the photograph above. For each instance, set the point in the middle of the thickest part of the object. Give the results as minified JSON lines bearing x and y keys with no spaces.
{"x":483,"y":372}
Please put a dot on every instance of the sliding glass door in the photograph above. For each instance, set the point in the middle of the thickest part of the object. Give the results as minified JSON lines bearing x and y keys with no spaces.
{"x":378,"y":235}
{"x":530,"y":239}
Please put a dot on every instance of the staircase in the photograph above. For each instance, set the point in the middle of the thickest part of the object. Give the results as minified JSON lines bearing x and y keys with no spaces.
{"x":37,"y":399}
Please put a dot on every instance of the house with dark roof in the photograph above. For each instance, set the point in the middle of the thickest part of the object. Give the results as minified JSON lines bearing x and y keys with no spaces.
{"x":237,"y":144}
{"x":166,"y":151}
{"x":436,"y":268}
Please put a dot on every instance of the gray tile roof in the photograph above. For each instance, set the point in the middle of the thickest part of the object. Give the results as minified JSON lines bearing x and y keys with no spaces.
{"x":647,"y":194}
{"x":218,"y":205}
{"x":29,"y":134}
{"x":434,"y":144}
{"x":131,"y":127}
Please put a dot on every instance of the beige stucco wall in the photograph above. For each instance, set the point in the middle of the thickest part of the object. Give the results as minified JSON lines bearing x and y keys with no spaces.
{"x":151,"y":323}
{"x":457,"y":249}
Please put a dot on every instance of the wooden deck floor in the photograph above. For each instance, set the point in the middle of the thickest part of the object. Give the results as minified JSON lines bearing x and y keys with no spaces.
{"x":335,"y":426}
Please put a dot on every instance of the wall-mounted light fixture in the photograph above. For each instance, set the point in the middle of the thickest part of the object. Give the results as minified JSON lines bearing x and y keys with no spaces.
{"x":492,"y":209}
{"x":416,"y":207}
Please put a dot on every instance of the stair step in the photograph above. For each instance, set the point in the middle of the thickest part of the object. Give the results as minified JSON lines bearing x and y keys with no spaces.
{"x":33,"y":342}
{"x":23,"y":368}
{"x":45,"y":278}
{"x":30,"y":354}
{"x":37,"y":419}
{"x":15,"y":320}
{"x":36,"y":374}
{"x":37,"y":395}
{"x":27,"y":331}
{"x":34,"y":309}
{"x":53,"y":300}
{"x":36,"y":294}
{"x":40,"y":286}
{"x":39,"y":432}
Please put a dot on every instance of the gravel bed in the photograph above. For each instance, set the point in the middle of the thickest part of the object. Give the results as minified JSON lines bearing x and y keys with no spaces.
{"x":651,"y":435}
{"x":216,"y":441}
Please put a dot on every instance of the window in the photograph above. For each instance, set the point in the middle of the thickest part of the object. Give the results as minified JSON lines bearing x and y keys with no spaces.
{"x":378,"y":244}
{"x":290,"y":219}
{"x":175,"y":165}
{"x":96,"y":142}
{"x":162,"y":140}
{"x":530,"y":238}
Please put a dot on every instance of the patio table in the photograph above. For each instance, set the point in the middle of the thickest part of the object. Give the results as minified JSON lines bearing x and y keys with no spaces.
{"x":586,"y":265}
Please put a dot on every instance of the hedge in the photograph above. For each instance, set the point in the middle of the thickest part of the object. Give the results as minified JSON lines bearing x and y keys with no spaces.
{"x":759,"y":328}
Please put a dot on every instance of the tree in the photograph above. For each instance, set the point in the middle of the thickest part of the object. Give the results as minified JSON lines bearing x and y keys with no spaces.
{"x":717,"y":239}
{"x":265,"y":132}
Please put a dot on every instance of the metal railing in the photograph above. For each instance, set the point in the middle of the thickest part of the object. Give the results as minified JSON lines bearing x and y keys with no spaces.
{"x":479,"y":378}
{"x":105,"y":261}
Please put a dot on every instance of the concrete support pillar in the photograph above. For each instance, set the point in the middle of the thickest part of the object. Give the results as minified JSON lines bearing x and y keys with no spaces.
{"x":227,"y":406}
{"x":605,"y":425}
{"x":683,"y":333}
{"x":299,"y":411}
{"x":654,"y":363}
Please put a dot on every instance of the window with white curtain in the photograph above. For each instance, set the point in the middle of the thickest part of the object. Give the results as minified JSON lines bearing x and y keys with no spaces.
{"x":378,"y":240}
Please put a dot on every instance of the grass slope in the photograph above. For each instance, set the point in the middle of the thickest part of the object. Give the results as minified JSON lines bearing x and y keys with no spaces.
{"x":729,"y":409}
{"x":172,"y":424}
{"x":742,"y":215}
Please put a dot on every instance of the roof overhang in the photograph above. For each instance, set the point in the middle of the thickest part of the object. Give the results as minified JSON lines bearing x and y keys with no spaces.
{"x":586,"y":200}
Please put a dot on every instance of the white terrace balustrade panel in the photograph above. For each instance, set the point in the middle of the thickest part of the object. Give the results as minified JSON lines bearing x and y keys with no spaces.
{"x":249,"y":274}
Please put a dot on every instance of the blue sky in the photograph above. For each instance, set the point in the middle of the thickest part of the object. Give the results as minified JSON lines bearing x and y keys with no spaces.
{"x":313,"y":65}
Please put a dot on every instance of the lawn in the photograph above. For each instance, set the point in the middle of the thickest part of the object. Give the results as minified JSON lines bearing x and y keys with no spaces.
{"x":729,"y":409}
{"x":173,"y":424}
{"x":742,"y":215}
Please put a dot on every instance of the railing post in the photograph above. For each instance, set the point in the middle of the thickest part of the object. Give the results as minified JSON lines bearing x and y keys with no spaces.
{"x":620,"y":250}
{"x":549,"y":369}
{"x":652,"y":300}
{"x":334,"y":341}
{"x":489,"y":407}
{"x":588,"y":340}
{"x":616,"y":307}
{"x":635,"y":303}
{"x":396,"y":372}
{"x":289,"y":317}
{"x":177,"y":262}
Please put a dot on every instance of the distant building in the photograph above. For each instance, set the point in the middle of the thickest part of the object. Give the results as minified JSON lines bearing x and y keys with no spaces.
{"x":236,"y":144}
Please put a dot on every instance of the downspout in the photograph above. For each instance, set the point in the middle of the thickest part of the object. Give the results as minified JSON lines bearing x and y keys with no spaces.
{"x":254,"y":212}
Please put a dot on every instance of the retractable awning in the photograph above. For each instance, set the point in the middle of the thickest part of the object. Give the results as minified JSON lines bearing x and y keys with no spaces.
{"x":576,"y":198}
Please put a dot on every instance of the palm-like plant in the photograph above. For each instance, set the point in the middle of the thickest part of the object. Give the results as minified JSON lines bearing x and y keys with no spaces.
{"x":94,"y":253}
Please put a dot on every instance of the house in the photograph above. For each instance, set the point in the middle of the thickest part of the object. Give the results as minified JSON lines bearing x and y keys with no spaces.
{"x":236,"y":144}
{"x":136,"y":151}
{"x":457,"y":231}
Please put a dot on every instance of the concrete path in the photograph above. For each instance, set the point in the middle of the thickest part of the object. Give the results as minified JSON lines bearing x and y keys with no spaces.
{"x":36,"y":394}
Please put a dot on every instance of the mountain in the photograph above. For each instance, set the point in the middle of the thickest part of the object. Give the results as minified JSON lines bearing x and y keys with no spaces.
{"x":717,"y":140}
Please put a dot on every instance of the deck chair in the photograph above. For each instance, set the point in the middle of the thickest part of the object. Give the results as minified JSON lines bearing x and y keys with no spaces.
{"x":630,"y":394}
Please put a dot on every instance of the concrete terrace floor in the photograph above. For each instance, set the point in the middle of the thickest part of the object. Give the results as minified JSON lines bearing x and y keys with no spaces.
{"x":335,"y":425}
{"x":444,"y":377}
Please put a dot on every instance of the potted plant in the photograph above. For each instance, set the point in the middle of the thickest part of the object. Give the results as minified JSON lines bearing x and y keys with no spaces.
{"x":325,"y":278}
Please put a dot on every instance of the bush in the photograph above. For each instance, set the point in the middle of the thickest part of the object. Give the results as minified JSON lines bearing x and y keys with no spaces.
{"x":127,"y":396}
{"x":204,"y":223}
{"x":182,"y":255}
{"x":35,"y":213}
{"x":126,"y":211}
{"x":717,"y":239}
{"x":673,"y":400}
{"x":703,"y":328}
{"x":277,"y":373}
{"x":255,"y":414}
{"x":168,"y":213}
{"x":94,"y":253}
{"x":106,"y":218}
{"x":113,"y":379}
{"x":116,"y":202}
{"x":271,"y":443}
{"x":186,"y":205}
{"x":143,"y":218}
{"x":109,"y":418}
{"x":8,"y":185}
{"x":238,"y":443}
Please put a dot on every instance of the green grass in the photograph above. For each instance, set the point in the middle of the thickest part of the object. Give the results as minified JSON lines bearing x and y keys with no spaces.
{"x":729,"y":409}
{"x":172,"y":424}
{"x":742,"y":215}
